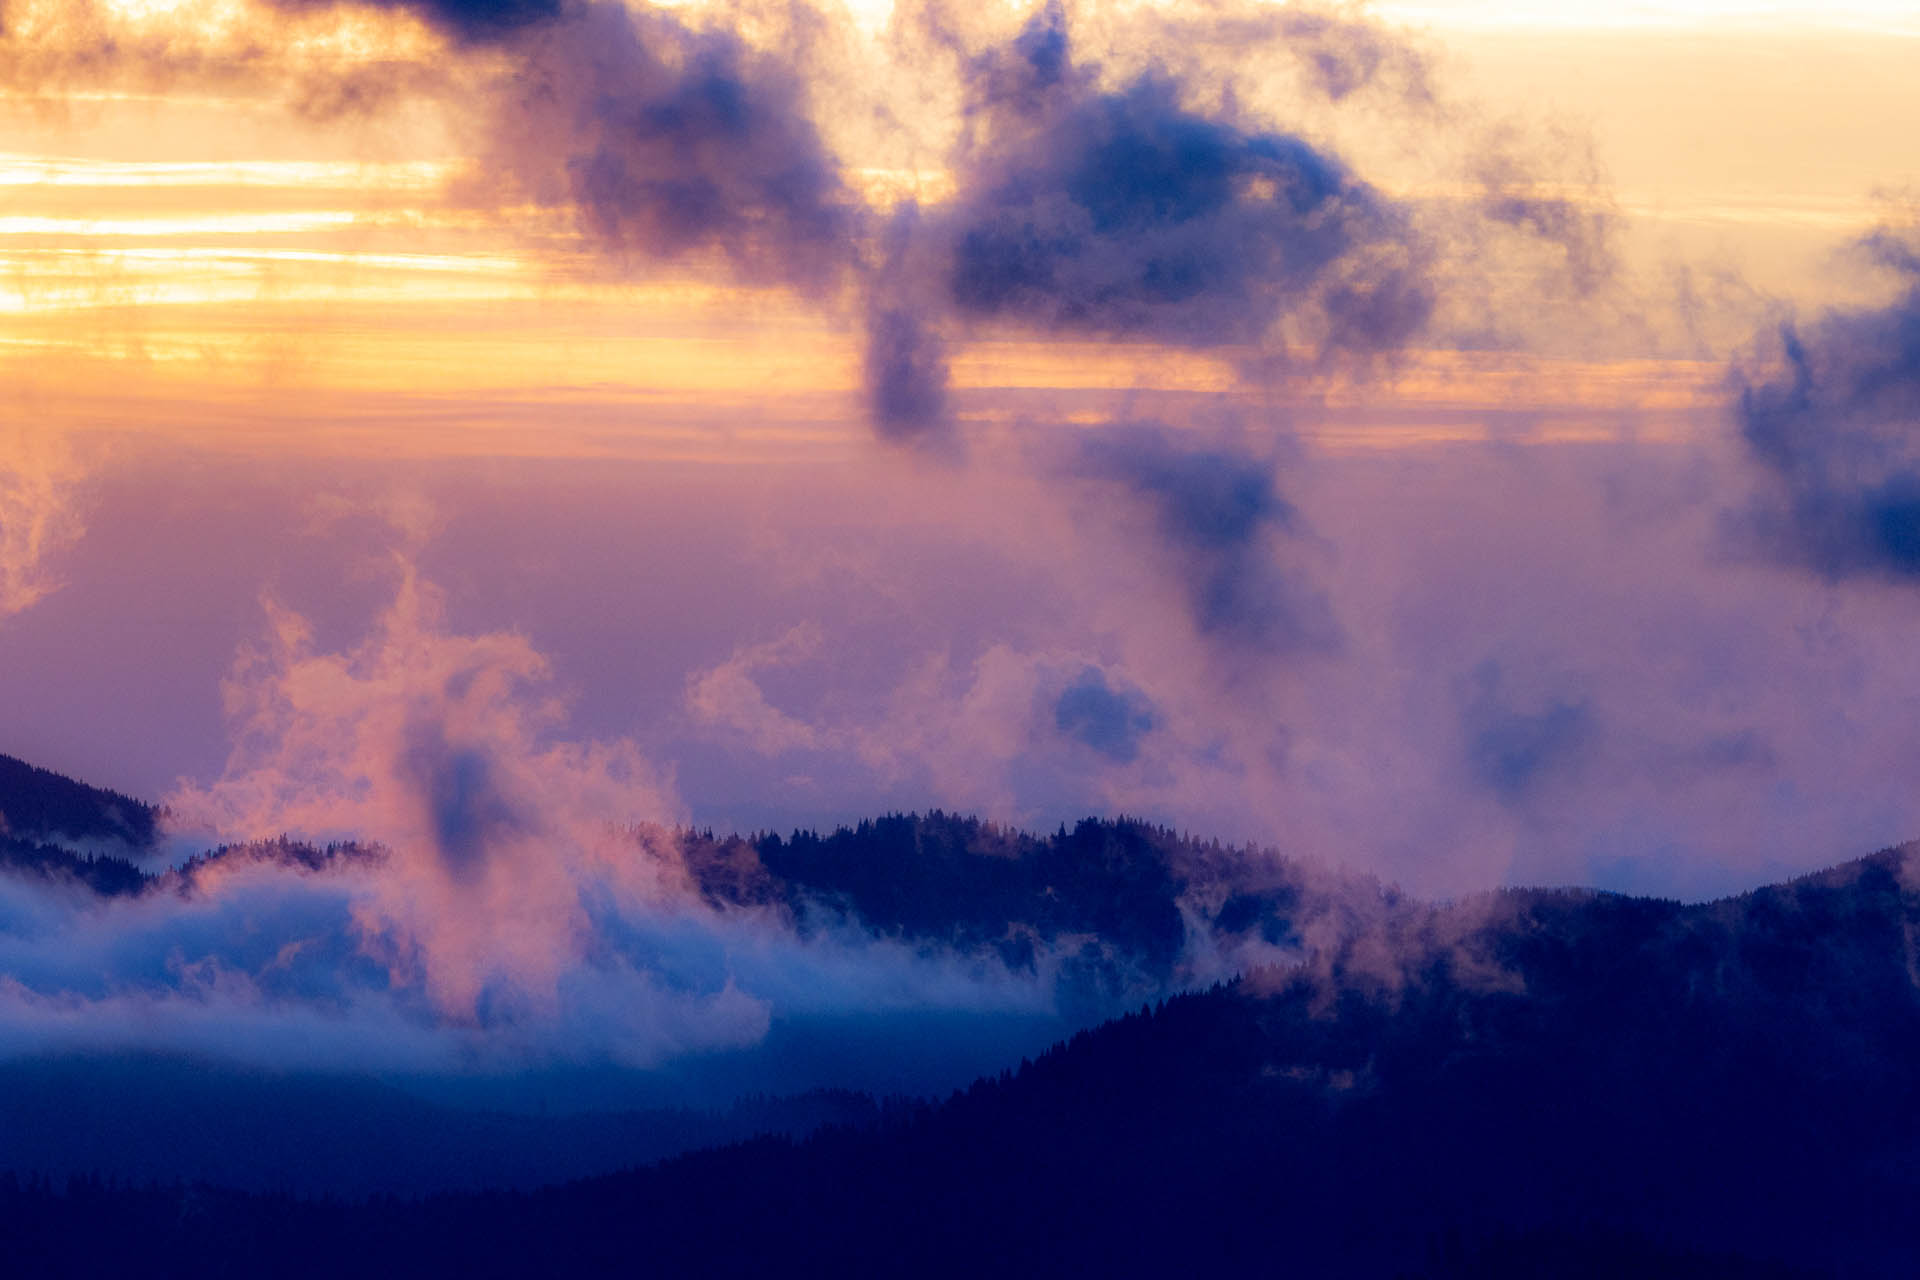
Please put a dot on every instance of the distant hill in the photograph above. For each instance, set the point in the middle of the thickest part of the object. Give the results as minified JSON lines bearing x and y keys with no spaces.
{"x":958,"y":878}
{"x":1125,"y":905}
{"x":1524,"y":1084}
{"x":103,"y":874}
{"x":110,"y":877}
{"x":38,"y":805}
{"x":52,"y":827}
{"x":1125,"y":909}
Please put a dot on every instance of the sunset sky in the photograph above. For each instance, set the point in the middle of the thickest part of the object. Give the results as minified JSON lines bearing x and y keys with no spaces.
{"x":372,"y":366}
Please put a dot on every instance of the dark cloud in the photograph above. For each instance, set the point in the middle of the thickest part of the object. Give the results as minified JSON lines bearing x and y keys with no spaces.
{"x":481,"y":19}
{"x":1220,"y":517}
{"x":468,"y":21}
{"x":1124,"y":214}
{"x":668,"y":140}
{"x":1837,"y":426}
{"x":905,"y":361}
{"x":906,"y":358}
{"x":1110,"y":720}
{"x":1513,"y":749}
{"x":666,"y":137}
{"x":906,"y":371}
{"x":1017,"y":77}
{"x":1223,"y":49}
{"x":467,"y":810}
{"x":1741,"y":750}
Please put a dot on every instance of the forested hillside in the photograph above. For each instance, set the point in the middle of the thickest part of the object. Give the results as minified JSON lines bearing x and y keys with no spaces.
{"x":1543,"y":1083}
{"x":38,"y":804}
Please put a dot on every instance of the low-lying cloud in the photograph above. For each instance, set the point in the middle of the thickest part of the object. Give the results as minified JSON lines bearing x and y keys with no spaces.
{"x":522,"y":899}
{"x":438,"y":746}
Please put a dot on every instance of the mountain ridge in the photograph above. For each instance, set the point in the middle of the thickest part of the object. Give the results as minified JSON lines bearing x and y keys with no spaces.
{"x":1520,"y":1082}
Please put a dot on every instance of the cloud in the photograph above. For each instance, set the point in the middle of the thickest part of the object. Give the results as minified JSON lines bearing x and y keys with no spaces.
{"x":1219,"y":517}
{"x":440,"y":747}
{"x":1124,"y":214}
{"x":291,"y":50}
{"x":1208,"y":533}
{"x":1114,"y":175}
{"x":668,"y":139}
{"x":1579,"y":227}
{"x":663,"y":135}
{"x":468,"y":21}
{"x":528,"y":904}
{"x":728,"y":697}
{"x":906,"y":372}
{"x":1122,"y":211}
{"x":265,"y":965}
{"x":1835,"y":424}
{"x":1211,"y":178}
{"x":1234,"y":49}
{"x":1513,"y":750}
{"x":990,"y":734}
{"x":38,"y":517}
{"x":1108,"y":719}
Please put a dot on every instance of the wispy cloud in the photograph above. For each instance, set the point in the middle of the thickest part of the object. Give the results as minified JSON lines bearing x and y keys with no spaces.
{"x":438,"y":746}
{"x":39,"y":513}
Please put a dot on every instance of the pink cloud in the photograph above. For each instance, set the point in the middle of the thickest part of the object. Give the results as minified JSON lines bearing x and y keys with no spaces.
{"x":440,"y":747}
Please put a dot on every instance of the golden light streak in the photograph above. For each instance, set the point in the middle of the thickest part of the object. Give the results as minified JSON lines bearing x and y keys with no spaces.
{"x":237,"y":282}
{"x":888,"y":187}
{"x":1879,"y":17}
{"x":1840,"y":216}
{"x":17,"y":170}
{"x":162,"y":258}
{"x":40,"y":20}
{"x":202,"y":224}
{"x":469,"y":322}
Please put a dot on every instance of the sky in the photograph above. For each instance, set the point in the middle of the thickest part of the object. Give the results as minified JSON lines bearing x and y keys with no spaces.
{"x":1467,"y":443}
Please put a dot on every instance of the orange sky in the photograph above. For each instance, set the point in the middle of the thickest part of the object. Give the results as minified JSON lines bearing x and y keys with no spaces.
{"x":186,"y":238}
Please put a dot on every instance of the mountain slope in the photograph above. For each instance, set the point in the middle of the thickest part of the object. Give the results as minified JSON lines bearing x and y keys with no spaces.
{"x":1531,"y":1083}
{"x":54,"y":828}
{"x":40,"y":805}
{"x":146,"y":1118}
